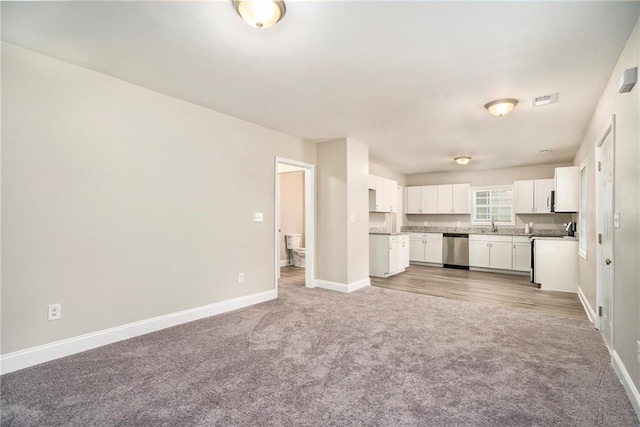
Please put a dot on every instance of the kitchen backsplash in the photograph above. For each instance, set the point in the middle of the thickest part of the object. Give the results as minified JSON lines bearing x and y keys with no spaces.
{"x":541,"y":222}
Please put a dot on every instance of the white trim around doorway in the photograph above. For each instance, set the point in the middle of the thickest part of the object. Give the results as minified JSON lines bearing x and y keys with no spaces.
{"x":309,"y":219}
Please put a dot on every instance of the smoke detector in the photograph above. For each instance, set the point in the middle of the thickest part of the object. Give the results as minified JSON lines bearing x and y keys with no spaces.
{"x":539,"y":101}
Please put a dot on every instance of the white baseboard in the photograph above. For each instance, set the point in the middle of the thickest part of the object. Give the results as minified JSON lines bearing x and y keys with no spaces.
{"x":591,"y":313}
{"x":626,"y":381}
{"x":284,"y":263}
{"x":342,"y":287}
{"x":43,"y":353}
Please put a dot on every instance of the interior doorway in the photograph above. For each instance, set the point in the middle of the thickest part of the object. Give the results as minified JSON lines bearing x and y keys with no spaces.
{"x":303,"y":238}
{"x":605,"y":260}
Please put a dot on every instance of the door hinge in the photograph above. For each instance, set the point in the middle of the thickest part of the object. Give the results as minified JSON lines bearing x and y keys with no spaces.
{"x":600,"y":238}
{"x":599,"y":166}
{"x":600,"y":310}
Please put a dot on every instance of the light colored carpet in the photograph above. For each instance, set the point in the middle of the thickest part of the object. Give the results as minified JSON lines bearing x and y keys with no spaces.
{"x":316,"y":357}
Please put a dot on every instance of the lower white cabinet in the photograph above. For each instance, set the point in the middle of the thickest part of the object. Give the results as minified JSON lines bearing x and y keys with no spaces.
{"x":426,"y":247}
{"x":521,"y":253}
{"x":403,"y":250}
{"x":490,"y":251}
{"x":388,"y":254}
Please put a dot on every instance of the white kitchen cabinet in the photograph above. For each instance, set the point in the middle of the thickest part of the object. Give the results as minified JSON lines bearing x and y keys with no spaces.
{"x":373,"y":182}
{"x":490,"y":251}
{"x":384,"y":257}
{"x":426,"y":247}
{"x":422,"y":200}
{"x":445,"y":198}
{"x":479,"y":254}
{"x":557,"y":264}
{"x":532,"y":196}
{"x":567,"y":189}
{"x":461,"y":197}
{"x":438,"y":199}
{"x":521,"y":253}
{"x":403,"y":250}
{"x":391,"y":195}
{"x":383,"y":197}
{"x":454,"y":198}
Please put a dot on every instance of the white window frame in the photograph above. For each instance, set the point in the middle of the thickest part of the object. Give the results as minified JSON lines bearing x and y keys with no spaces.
{"x":583,"y":211}
{"x":474,"y":221}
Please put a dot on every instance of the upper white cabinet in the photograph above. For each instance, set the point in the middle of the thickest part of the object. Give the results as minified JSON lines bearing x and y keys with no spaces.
{"x":438,"y":199}
{"x":422,"y":199}
{"x":567,"y":189}
{"x":532,"y":196}
{"x":384,"y":197}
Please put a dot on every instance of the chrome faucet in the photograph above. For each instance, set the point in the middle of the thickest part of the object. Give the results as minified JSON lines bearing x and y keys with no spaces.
{"x":494,"y":228}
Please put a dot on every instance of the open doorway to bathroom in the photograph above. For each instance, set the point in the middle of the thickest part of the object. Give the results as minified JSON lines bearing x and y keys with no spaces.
{"x":294,"y":223}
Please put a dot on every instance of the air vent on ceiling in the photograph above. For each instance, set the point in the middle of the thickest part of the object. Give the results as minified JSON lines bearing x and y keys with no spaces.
{"x":545,"y":100}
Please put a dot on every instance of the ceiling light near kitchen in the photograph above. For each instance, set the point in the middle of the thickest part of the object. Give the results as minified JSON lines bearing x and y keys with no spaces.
{"x":501,"y":107}
{"x":260,"y":13}
{"x":462,"y":160}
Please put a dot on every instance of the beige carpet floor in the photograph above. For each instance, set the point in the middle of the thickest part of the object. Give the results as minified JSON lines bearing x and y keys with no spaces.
{"x":375,"y":357}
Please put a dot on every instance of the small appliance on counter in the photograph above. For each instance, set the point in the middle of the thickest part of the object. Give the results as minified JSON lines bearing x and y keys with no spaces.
{"x":570,"y":228}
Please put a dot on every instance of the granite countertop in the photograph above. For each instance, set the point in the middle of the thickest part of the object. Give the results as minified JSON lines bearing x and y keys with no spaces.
{"x":502,"y":231}
{"x":386,"y":233}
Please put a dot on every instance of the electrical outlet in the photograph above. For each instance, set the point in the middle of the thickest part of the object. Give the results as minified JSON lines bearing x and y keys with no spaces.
{"x":240,"y":277}
{"x":638,"y":351}
{"x":55,"y":311}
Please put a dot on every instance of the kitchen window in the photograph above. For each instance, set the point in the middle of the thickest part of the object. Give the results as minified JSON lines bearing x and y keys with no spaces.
{"x":493,"y":203}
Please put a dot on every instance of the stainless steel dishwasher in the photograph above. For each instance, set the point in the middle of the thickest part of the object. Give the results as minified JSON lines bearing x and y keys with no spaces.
{"x":455,"y":250}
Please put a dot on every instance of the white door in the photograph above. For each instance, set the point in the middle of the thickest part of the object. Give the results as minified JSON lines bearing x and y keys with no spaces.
{"x":605,"y":230}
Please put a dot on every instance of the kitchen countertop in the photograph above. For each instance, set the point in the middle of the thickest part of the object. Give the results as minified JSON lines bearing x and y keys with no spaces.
{"x":502,"y":231}
{"x":385,"y":233}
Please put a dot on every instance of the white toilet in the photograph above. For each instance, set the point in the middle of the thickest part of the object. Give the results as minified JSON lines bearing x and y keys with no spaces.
{"x":293,"y":244}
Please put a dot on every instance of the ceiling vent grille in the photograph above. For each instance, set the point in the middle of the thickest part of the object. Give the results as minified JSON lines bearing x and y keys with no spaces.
{"x":545,"y":100}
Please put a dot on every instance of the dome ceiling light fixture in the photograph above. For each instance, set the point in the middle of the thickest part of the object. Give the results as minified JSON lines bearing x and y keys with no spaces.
{"x":260,"y":14}
{"x":462,"y":160}
{"x":501,"y":107}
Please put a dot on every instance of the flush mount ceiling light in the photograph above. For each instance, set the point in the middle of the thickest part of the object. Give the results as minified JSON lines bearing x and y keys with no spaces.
{"x":462,"y":160}
{"x":260,"y":13}
{"x":501,"y":107}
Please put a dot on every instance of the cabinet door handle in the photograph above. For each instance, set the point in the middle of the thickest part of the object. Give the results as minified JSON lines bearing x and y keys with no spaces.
{"x":548,"y":200}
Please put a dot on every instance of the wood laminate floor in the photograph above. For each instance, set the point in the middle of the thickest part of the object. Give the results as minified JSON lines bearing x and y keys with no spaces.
{"x":507,"y":290}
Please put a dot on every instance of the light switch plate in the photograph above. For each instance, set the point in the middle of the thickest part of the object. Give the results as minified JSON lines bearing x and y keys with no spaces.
{"x":258,"y":217}
{"x":616,"y":220}
{"x":353,"y":218}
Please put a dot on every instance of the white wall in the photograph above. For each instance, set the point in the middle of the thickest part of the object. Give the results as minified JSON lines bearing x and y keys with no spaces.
{"x":343,"y":205}
{"x":358,"y":210}
{"x":626,"y":108}
{"x":480,"y":178}
{"x":331,"y":220}
{"x":123,"y":204}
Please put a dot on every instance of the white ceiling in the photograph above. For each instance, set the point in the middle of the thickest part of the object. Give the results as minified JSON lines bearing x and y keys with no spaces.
{"x":409,"y":79}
